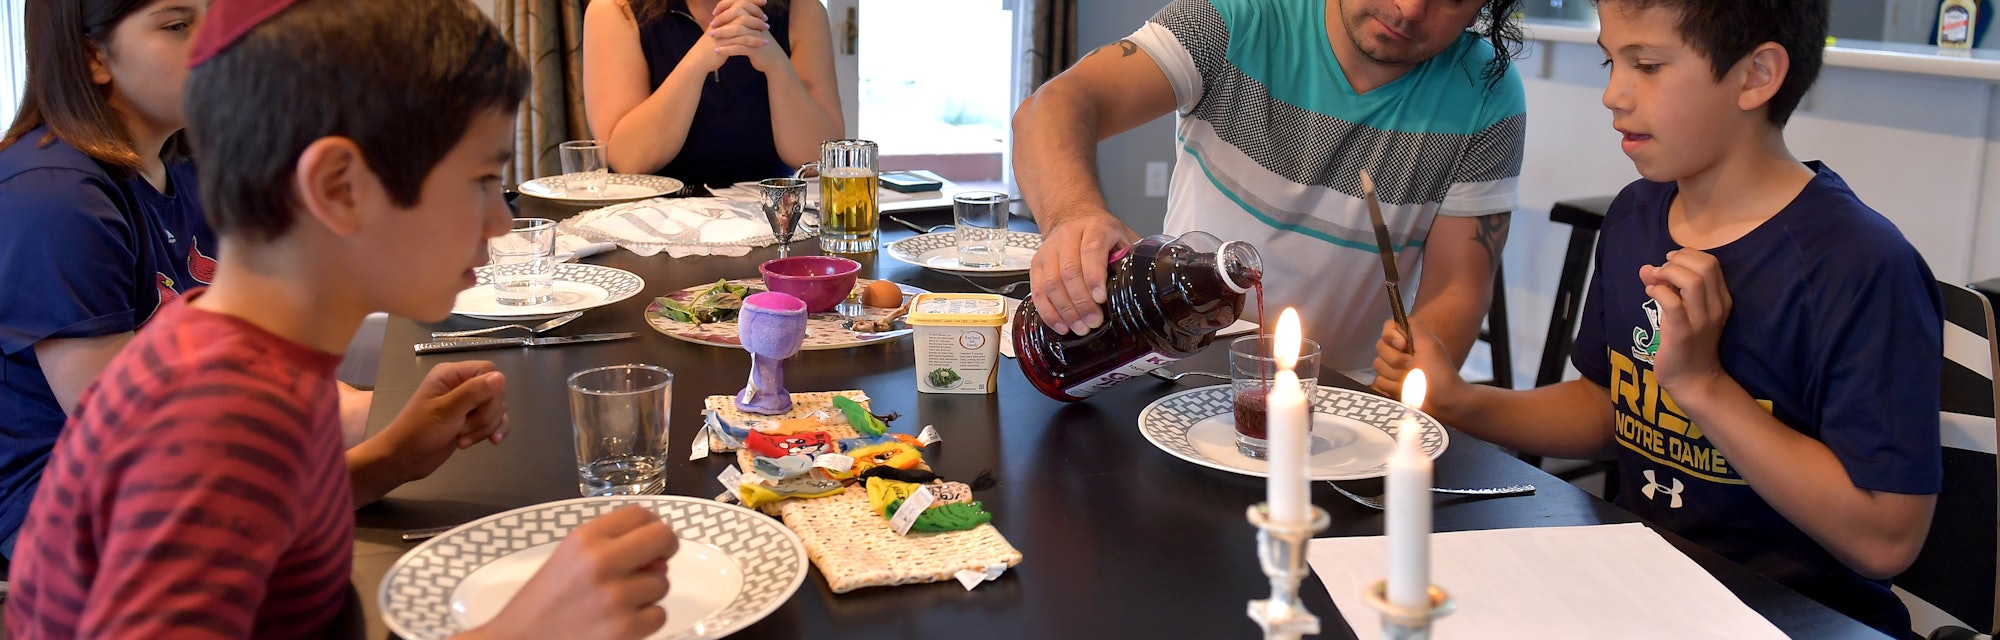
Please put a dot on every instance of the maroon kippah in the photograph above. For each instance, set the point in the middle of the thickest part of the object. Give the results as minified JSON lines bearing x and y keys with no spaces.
{"x":227,"y":21}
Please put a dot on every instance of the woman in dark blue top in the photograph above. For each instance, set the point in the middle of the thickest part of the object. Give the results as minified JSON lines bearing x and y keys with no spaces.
{"x":710,"y":91}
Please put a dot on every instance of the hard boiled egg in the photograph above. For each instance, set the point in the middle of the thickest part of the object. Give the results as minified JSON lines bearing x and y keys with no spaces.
{"x":882,"y":293}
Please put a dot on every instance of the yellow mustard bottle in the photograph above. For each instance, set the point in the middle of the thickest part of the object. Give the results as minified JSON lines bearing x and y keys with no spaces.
{"x":1955,"y":23}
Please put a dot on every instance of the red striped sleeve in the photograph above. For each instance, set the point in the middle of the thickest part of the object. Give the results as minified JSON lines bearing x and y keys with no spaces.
{"x":200,"y":492}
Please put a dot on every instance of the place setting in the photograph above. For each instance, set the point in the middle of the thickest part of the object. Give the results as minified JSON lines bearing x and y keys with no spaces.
{"x":1225,"y":426}
{"x":525,"y":282}
{"x":586,"y":178}
{"x":978,"y":243}
{"x":734,"y":566}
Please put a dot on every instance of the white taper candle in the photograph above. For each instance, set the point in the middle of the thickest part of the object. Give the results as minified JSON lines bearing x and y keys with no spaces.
{"x":1409,"y":508}
{"x":1288,"y":424}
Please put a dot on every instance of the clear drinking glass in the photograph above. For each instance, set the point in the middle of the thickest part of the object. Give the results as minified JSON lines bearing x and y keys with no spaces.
{"x":784,"y":202}
{"x":1251,"y":371}
{"x":620,"y":416}
{"x":848,"y":184}
{"x":980,"y":218}
{"x":524,"y":270}
{"x":584,"y":168}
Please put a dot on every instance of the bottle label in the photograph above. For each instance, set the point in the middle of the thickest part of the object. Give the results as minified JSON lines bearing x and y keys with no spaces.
{"x":1955,"y":27}
{"x":1137,"y":367}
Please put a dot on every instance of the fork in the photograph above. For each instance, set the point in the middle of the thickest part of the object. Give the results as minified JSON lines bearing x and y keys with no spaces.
{"x":1375,"y":502}
{"x":1170,"y":376}
{"x":551,"y":324}
{"x":1002,"y":290}
{"x":917,"y":228}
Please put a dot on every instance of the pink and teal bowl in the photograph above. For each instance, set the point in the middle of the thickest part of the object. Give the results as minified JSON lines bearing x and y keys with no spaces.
{"x":821,"y":281}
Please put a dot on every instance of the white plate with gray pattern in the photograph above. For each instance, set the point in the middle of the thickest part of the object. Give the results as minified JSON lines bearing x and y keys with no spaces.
{"x":734,"y":567}
{"x":940,"y":251}
{"x":578,"y":287}
{"x":618,"y":187}
{"x":1353,"y":433}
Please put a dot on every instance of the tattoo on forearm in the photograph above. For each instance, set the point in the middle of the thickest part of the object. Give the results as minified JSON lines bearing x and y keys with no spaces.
{"x":1493,"y":235}
{"x":1128,"y":47}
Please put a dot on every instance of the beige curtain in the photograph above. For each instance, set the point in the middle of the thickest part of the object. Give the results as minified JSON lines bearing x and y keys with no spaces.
{"x":1055,"y":40}
{"x":550,"y":34}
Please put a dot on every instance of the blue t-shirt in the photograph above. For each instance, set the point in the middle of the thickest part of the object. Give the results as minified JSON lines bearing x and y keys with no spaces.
{"x":730,"y":138}
{"x":1835,"y":328}
{"x":84,"y":252}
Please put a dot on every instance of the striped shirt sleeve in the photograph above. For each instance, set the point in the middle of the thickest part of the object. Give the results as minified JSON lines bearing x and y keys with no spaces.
{"x":199,"y":511}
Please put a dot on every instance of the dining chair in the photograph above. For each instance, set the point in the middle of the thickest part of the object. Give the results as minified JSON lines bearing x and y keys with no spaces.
{"x":1494,"y":333}
{"x":1584,"y":216}
{"x":1951,"y":588}
{"x":363,"y":357}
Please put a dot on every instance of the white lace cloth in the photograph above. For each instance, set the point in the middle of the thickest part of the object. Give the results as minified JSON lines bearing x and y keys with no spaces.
{"x":682,"y":226}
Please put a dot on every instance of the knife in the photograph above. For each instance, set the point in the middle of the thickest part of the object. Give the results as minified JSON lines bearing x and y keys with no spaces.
{"x":468,"y":344}
{"x":1390,"y":280}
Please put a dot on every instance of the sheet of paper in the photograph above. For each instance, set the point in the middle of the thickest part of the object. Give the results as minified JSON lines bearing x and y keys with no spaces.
{"x":1607,"y":581}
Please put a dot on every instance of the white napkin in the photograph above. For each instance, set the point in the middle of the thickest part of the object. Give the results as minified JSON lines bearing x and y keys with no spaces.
{"x":681,"y":226}
{"x":570,"y":247}
{"x":1605,"y":581}
{"x":1238,"y":328}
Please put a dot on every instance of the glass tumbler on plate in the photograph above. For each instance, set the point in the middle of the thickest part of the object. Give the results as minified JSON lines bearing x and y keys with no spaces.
{"x":620,"y":418}
{"x":980,"y":220}
{"x":585,"y":168}
{"x":524,"y":270}
{"x":1252,"y":369}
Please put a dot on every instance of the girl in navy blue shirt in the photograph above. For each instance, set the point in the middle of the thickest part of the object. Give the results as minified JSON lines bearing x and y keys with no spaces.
{"x":100,"y":222}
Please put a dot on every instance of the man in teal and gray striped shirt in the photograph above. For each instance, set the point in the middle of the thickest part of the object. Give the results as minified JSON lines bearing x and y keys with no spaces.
{"x":1279,"y":105}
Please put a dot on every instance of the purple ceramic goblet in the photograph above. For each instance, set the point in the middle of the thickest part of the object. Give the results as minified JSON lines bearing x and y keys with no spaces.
{"x":771,"y":326}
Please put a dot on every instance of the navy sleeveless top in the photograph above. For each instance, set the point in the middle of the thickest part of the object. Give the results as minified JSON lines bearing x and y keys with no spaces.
{"x":730,"y":139}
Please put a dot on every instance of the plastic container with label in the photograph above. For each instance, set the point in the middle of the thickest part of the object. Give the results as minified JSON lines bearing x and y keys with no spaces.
{"x":958,"y":341}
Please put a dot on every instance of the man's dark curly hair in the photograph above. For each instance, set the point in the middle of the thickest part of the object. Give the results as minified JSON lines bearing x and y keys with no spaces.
{"x":1503,"y":32}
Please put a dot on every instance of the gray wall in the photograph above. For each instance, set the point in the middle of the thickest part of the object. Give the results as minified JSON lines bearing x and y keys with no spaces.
{"x":1121,"y":161}
{"x":1857,"y":19}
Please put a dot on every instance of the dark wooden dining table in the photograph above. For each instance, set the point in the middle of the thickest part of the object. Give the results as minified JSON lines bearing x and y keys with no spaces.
{"x":1120,"y":539}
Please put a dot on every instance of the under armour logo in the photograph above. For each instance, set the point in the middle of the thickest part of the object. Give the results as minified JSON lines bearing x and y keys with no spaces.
{"x":1653,"y":486}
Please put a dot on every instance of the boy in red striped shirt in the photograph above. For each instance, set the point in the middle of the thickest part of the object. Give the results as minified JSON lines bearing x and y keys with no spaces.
{"x":351,"y":152}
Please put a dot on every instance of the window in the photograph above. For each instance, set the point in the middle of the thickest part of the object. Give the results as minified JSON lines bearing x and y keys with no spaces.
{"x":13,"y":59}
{"x":936,"y":86}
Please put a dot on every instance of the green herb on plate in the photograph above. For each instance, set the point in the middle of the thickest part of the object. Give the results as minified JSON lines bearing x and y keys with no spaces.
{"x":718,"y":303}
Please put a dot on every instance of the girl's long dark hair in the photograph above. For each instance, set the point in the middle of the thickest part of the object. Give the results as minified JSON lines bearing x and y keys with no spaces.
{"x":62,"y":36}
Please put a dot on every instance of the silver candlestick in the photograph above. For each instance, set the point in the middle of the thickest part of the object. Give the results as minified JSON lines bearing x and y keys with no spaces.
{"x":1401,"y":623}
{"x":1281,"y":549}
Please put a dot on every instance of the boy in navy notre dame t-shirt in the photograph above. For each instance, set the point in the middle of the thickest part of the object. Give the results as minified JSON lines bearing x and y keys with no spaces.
{"x":1759,"y":348}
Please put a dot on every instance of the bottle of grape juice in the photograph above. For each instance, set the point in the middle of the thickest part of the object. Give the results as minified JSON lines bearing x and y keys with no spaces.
{"x":1165,"y":299}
